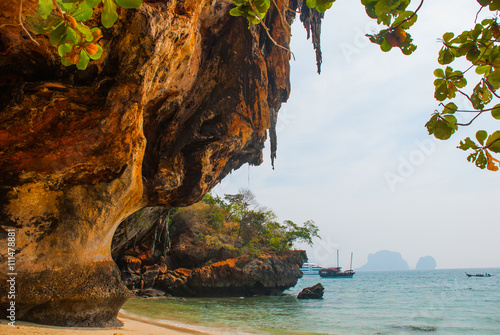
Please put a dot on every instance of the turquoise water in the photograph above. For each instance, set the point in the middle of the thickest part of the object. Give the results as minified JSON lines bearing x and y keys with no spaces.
{"x":439,"y":302}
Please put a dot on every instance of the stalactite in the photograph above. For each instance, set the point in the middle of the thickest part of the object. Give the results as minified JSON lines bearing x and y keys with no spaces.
{"x":311,"y":19}
{"x":272,"y":135}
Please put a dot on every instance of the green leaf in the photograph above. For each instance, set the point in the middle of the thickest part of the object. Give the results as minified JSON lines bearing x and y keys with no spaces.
{"x":468,"y":144}
{"x":496,"y":112}
{"x":323,"y":5}
{"x":85,"y":31}
{"x":56,"y":36}
{"x":66,"y":62}
{"x":483,"y":69}
{"x":441,"y":128}
{"x":450,"y":108}
{"x":494,"y":79}
{"x":445,"y":56}
{"x":473,"y":156}
{"x":473,"y":54}
{"x":447,"y":37}
{"x":72,"y":35}
{"x":441,"y":93}
{"x":370,"y":10}
{"x":481,"y":135}
{"x":92,"y":3}
{"x":481,"y":160}
{"x":385,"y":47}
{"x":67,"y":7}
{"x":407,"y":47}
{"x":235,"y":12}
{"x":84,"y":60}
{"x":129,"y":3}
{"x":83,"y":12}
{"x":480,"y":96}
{"x":44,"y":8}
{"x":311,"y":3}
{"x":439,"y":73}
{"x":109,"y":14}
{"x":262,"y":6}
{"x":451,"y":120}
{"x":493,"y":142}
{"x":405,"y":18}
{"x":442,"y":132}
{"x":64,"y":49}
{"x":44,"y":26}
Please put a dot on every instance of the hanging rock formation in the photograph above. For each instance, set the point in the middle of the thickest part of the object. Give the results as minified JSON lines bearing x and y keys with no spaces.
{"x":182,"y":96}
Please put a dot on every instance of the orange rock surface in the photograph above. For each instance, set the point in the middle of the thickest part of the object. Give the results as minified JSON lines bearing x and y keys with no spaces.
{"x":183,"y":94}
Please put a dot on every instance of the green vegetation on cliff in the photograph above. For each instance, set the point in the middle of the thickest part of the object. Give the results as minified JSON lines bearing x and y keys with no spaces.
{"x":237,"y":224}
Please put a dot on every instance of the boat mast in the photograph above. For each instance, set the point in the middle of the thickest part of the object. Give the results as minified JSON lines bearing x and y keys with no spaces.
{"x":337,"y":257}
{"x":350,"y":268}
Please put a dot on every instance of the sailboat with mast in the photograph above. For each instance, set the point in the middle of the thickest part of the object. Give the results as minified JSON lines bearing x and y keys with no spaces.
{"x":336,"y":272}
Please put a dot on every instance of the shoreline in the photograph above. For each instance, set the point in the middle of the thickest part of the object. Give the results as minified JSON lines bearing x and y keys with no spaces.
{"x":131,"y":326}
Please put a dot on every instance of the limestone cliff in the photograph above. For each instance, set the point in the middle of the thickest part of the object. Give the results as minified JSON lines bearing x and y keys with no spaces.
{"x":184,"y":94}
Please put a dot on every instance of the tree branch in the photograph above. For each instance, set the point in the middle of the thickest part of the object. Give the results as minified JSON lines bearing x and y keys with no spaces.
{"x":468,"y":124}
{"x":411,"y":16}
{"x":21,"y":22}
{"x":477,"y":14}
{"x":489,"y":145}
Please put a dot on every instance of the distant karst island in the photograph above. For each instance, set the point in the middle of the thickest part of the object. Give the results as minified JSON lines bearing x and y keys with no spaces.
{"x":385,"y":260}
{"x":426,"y":263}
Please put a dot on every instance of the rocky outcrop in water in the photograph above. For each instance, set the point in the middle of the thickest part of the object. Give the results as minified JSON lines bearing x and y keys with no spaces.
{"x":267,"y":274}
{"x":312,"y":292}
{"x":183,"y":94}
{"x":190,"y":267}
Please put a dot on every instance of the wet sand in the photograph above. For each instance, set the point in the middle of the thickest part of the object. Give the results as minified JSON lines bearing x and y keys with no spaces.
{"x":131,"y":326}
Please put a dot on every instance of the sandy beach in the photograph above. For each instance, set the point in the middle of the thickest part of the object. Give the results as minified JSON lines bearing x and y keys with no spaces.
{"x":131,"y":326}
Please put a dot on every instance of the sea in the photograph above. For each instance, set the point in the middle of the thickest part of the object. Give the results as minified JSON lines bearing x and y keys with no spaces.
{"x":437,"y":302}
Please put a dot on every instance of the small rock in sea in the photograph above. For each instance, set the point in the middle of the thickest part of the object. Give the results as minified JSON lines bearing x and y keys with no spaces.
{"x":312,"y":292}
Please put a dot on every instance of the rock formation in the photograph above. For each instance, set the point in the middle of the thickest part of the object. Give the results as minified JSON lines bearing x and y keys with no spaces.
{"x":189,"y":266}
{"x":268,"y":274}
{"x":183,"y":95}
{"x":426,"y":263}
{"x":312,"y":292}
{"x":385,"y":260}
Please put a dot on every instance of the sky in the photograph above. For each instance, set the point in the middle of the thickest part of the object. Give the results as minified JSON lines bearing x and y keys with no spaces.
{"x":354,"y":155}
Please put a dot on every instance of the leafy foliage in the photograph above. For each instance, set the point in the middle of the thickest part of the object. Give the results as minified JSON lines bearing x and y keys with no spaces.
{"x":481,"y":155}
{"x":64,"y":23}
{"x":242,"y":225}
{"x":480,"y":47}
{"x":255,"y":10}
{"x":393,"y":14}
